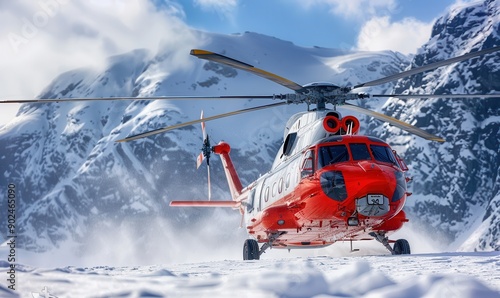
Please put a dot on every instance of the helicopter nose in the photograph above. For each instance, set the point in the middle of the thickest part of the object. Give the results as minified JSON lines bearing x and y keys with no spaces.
{"x":381,"y":185}
{"x":371,"y":186}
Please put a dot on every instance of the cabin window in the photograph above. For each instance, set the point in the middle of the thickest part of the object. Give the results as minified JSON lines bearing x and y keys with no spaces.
{"x":266,"y":194}
{"x":359,"y":152}
{"x":307,"y":168}
{"x":289,"y":142}
{"x":274,"y":189}
{"x":332,"y":154}
{"x":383,"y":154}
{"x":288,"y":178}
{"x":280,"y":186}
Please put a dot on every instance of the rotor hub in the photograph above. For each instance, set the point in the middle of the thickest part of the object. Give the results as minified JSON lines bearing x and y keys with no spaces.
{"x":321,"y":94}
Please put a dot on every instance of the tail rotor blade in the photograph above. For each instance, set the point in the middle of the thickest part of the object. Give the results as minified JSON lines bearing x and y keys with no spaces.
{"x":199,"y":160}
{"x":203,"y":127}
{"x":209,"y":184}
{"x":205,"y":153}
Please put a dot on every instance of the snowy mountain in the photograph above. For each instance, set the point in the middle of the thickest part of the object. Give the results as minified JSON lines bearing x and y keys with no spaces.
{"x":456,"y":184}
{"x":76,"y":185}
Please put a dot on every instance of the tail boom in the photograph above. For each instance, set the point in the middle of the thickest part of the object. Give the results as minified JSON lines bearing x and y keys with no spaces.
{"x":233,"y":179}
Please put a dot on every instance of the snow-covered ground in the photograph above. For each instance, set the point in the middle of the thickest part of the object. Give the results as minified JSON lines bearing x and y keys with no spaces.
{"x":419,"y":275}
{"x":184,"y":268}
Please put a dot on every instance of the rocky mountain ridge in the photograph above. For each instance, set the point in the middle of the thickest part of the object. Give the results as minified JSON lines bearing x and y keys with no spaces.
{"x":73,"y":179}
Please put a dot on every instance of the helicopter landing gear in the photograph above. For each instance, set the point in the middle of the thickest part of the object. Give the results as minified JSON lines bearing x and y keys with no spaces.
{"x":251,"y":250}
{"x":401,"y":246}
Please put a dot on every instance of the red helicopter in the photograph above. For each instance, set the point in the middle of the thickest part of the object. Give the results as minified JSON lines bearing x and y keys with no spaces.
{"x":327,"y":183}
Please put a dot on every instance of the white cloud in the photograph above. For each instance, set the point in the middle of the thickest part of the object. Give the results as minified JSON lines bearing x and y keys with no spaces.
{"x":405,"y":36}
{"x":379,"y":32}
{"x":225,"y":8}
{"x":41,"y":39}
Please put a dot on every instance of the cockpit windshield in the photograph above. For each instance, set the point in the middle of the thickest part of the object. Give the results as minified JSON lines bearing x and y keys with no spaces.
{"x":328,"y":155}
{"x":383,"y":154}
{"x":332,"y":154}
{"x":359,"y":151}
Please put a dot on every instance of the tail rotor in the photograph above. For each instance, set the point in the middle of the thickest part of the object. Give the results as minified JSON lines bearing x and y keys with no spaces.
{"x":206,"y":151}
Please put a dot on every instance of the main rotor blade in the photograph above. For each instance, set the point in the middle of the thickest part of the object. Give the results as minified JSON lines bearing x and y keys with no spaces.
{"x":228,"y":204}
{"x":427,"y":67}
{"x":160,"y":130}
{"x":47,"y":100}
{"x":403,"y":125}
{"x":437,"y":95}
{"x":207,"y":55}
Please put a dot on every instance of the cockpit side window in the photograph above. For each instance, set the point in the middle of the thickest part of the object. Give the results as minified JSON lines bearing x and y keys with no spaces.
{"x":332,"y":154}
{"x":307,"y":166}
{"x":401,"y":162}
{"x":359,"y":152}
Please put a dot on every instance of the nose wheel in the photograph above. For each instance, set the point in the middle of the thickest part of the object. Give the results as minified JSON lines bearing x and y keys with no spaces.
{"x":401,"y":246}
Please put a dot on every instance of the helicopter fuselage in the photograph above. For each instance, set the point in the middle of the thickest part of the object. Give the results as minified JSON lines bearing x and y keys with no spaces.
{"x":315,"y":200}
{"x":324,"y":186}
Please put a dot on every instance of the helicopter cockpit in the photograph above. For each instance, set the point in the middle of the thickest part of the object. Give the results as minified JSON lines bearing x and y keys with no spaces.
{"x":329,"y":154}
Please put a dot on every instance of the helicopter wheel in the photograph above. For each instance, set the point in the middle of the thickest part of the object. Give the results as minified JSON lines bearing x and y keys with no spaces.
{"x":251,"y":250}
{"x":401,"y":247}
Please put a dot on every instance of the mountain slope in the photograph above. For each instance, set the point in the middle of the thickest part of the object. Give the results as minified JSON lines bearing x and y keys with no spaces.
{"x":455,"y":184}
{"x":75,"y":183}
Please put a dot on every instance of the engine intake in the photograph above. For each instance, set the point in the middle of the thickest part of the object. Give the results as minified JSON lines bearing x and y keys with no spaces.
{"x":332,"y":124}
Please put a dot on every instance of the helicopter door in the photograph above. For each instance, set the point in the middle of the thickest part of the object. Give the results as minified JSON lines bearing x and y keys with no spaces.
{"x":251,"y":201}
{"x":307,"y":166}
{"x":257,"y":197}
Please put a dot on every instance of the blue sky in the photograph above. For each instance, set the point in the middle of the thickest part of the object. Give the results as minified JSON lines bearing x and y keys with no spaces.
{"x":325,"y":23}
{"x":41,"y":39}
